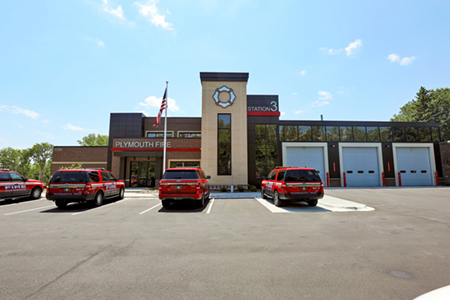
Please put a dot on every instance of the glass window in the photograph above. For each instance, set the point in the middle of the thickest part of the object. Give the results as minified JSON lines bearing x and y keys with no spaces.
{"x":305,"y":133}
{"x":4,"y":177}
{"x":289,"y":133}
{"x":385,"y":134}
{"x":190,"y":135}
{"x":435,"y":134}
{"x":181,"y":174}
{"x":280,"y":176}
{"x":272,"y":175}
{"x":260,"y":130}
{"x":16,"y":177}
{"x":174,"y":164}
{"x":425,"y":134}
{"x":332,"y":133}
{"x":302,"y":175}
{"x":398,"y":134}
{"x":93,"y":177}
{"x":318,"y":133}
{"x":271,"y":130}
{"x":359,"y":133}
{"x":266,"y":148}
{"x":412,"y":134}
{"x":373,"y":134}
{"x":69,"y":177}
{"x":224,"y":144}
{"x":346,"y":133}
{"x":158,"y":134}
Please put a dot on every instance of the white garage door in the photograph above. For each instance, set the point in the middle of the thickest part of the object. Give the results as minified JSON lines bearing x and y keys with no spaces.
{"x":307,"y":157}
{"x":414,"y":166}
{"x":361,"y":166}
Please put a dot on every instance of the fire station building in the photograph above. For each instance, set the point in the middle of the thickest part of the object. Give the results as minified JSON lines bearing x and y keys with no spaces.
{"x":239,"y":138}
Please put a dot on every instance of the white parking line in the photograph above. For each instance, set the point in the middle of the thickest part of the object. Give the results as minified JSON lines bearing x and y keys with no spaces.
{"x":23,"y":211}
{"x":210,"y":206}
{"x":150,"y":209}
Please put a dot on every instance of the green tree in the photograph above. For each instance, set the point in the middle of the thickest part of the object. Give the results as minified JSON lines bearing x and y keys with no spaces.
{"x":41,"y":153}
{"x":9,"y":158}
{"x":428,"y":106}
{"x":94,"y":140}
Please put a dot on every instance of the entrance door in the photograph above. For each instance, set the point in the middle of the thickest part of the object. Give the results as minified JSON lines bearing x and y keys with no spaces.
{"x":142,"y":174}
{"x":361,"y":166}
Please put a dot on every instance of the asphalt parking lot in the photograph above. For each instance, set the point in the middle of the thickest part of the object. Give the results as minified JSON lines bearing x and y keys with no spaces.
{"x":229,"y":249}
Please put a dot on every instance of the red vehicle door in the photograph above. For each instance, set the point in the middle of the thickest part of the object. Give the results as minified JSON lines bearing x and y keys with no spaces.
{"x":19,"y":186}
{"x":5,"y":185}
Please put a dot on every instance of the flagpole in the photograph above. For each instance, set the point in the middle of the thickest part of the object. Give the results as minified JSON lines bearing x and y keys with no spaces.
{"x":165,"y":130}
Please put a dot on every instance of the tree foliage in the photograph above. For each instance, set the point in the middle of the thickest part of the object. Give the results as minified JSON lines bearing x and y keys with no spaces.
{"x":34,"y":162}
{"x":428,"y":106}
{"x":93,"y":139}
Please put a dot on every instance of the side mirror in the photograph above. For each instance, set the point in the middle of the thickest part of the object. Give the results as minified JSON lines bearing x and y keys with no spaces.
{"x":208,"y":177}
{"x":25,"y":179}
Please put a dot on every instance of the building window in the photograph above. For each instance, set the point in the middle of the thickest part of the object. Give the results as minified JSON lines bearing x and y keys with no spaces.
{"x":159,"y":134}
{"x":435,"y":134}
{"x":318,"y":133}
{"x":412,"y":134}
{"x":333,"y":133}
{"x":398,"y":134}
{"x":266,"y":149}
{"x":386,"y":134}
{"x":189,"y":134}
{"x":359,"y":133}
{"x":289,"y":133}
{"x":224,"y":144}
{"x":346,"y":133}
{"x":305,"y":133}
{"x":425,"y":134}
{"x":174,"y":164}
{"x":373,"y":134}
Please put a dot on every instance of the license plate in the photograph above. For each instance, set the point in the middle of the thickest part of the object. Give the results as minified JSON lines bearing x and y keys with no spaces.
{"x":304,"y":188}
{"x":179,"y":187}
{"x":66,"y":190}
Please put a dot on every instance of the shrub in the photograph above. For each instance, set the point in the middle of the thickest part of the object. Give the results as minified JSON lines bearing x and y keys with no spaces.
{"x":253,"y":188}
{"x":223,"y":189}
{"x":240,"y":188}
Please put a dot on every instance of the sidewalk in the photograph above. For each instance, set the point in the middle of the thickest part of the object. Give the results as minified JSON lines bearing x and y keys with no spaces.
{"x":329,"y":201}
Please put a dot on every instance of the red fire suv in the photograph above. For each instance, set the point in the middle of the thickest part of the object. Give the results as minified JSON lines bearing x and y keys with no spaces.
{"x":292,"y":184}
{"x":82,"y":185}
{"x":184,"y":183}
{"x":14,"y":185}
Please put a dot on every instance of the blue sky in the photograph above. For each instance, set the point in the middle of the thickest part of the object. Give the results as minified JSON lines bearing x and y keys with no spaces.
{"x":66,"y":65}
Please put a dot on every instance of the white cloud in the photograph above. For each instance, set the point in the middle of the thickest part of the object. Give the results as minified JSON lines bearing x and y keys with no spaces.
{"x":325,"y":95}
{"x":407,"y":60}
{"x":334,"y":51}
{"x":353,"y":47}
{"x":150,"y":11}
{"x":16,"y":110}
{"x":294,"y":94}
{"x":282,"y":113}
{"x":46,"y":121}
{"x":403,"y":61}
{"x":154,"y":102}
{"x":394,"y":57}
{"x":72,"y":127}
{"x":340,"y":92}
{"x":118,"y":12}
{"x":303,"y":73}
{"x":299,"y":112}
{"x":100,"y":43}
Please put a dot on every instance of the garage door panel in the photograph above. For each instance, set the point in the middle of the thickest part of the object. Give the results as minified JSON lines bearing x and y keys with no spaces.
{"x":361,"y":166}
{"x":414,"y":166}
{"x":306,"y":157}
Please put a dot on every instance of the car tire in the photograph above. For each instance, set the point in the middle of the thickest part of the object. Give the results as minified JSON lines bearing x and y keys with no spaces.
{"x":262,"y":193}
{"x":201,"y":202}
{"x":36,"y":193}
{"x":98,"y":200}
{"x":165,"y":203}
{"x":61,"y":204}
{"x":121,"y":193}
{"x":312,"y":202}
{"x":276,"y":199}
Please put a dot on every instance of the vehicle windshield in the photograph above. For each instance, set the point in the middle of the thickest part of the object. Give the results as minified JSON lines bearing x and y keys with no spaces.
{"x":302,"y":175}
{"x":181,"y":174}
{"x":69,"y":177}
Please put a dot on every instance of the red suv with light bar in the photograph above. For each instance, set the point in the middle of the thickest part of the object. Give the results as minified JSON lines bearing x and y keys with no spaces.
{"x":292,"y":184}
{"x":83,"y":185}
{"x":184,"y":183}
{"x":13,"y":185}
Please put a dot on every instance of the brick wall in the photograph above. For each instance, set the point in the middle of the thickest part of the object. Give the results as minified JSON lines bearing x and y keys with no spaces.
{"x":89,"y":157}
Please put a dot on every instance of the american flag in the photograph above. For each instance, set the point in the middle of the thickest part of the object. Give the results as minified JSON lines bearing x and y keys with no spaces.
{"x":163,"y":106}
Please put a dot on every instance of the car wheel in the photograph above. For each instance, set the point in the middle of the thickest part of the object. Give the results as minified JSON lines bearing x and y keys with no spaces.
{"x":262,"y":193}
{"x":312,"y":202}
{"x":201,"y":202}
{"x":165,"y":203}
{"x":61,"y":204}
{"x":36,"y":193}
{"x":121,"y":193}
{"x":276,"y":199}
{"x":98,"y":200}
